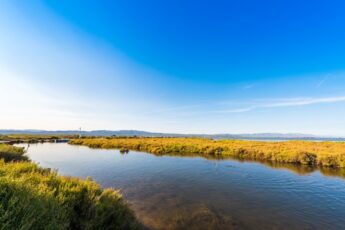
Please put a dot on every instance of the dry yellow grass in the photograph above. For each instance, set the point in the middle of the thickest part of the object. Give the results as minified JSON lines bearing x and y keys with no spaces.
{"x":330,"y":154}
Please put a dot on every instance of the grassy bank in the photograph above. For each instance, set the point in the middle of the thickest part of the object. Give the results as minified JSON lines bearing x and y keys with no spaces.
{"x":328,"y":154}
{"x":10,"y":153}
{"x":35,"y":198}
{"x":32,"y":138}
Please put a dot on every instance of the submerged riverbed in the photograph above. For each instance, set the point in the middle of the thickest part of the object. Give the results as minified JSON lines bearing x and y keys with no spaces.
{"x":174,"y":192}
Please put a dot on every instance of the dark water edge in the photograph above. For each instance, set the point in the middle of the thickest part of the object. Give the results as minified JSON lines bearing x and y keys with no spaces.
{"x":191,"y":192}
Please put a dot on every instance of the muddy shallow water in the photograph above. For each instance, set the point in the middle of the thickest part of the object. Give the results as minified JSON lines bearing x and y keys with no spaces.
{"x":174,"y":192}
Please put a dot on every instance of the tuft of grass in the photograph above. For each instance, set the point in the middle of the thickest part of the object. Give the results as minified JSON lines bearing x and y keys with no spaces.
{"x":32,"y":197}
{"x":326,"y":154}
{"x":11,"y":153}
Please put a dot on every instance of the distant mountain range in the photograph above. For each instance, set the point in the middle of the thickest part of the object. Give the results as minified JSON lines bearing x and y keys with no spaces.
{"x":255,"y":136}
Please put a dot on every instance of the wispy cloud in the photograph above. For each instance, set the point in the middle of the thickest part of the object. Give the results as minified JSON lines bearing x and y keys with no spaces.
{"x":248,"y":86}
{"x":239,"y":110}
{"x":287,"y":102}
{"x":247,"y":106}
{"x":172,"y":109}
{"x":304,"y":101}
{"x":320,"y":83}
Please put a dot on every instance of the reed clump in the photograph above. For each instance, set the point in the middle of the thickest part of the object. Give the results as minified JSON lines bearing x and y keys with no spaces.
{"x":327,"y":154}
{"x":32,"y":197}
{"x":10,"y":153}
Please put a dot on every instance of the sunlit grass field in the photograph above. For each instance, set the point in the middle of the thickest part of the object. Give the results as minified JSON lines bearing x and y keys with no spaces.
{"x":35,"y":198}
{"x":328,"y":154}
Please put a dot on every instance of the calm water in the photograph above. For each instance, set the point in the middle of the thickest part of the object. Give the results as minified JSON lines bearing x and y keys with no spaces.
{"x":171,"y":192}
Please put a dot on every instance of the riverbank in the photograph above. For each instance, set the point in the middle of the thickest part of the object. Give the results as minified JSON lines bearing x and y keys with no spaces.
{"x":325,"y":154}
{"x":30,"y":138}
{"x":34,"y":197}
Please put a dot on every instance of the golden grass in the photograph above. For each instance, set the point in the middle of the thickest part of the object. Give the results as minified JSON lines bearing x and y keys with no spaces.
{"x":329,"y":154}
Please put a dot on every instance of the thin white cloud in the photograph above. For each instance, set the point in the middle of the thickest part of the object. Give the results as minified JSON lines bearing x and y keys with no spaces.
{"x":248,"y":86}
{"x":240,"y":110}
{"x":304,"y":101}
{"x":323,"y":81}
{"x":288,"y":102}
{"x":172,"y":109}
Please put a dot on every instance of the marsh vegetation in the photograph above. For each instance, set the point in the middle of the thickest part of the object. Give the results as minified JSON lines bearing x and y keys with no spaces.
{"x":170,"y":188}
{"x":174,"y":191}
{"x":32,"y":197}
{"x":34,"y":138}
{"x":325,"y":154}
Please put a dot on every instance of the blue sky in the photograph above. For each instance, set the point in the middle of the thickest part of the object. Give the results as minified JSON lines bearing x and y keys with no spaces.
{"x":174,"y":66}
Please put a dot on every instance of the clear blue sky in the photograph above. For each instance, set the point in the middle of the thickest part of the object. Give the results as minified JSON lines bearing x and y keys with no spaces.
{"x":174,"y":66}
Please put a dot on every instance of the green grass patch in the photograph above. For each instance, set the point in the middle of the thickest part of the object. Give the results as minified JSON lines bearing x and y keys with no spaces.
{"x":32,"y":197}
